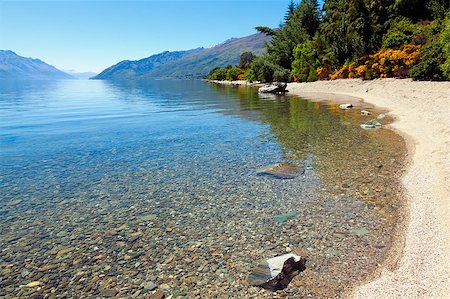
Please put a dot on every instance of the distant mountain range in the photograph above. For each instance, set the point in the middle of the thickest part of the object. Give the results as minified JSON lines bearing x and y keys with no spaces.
{"x":80,"y":75}
{"x":194,"y":63}
{"x":13,"y":66}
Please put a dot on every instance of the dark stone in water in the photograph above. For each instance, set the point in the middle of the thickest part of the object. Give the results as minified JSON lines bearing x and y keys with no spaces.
{"x":276,"y":273}
{"x":282,"y":170}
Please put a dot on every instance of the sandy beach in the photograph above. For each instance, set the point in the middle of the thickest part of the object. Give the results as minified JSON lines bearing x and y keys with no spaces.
{"x":422,"y":112}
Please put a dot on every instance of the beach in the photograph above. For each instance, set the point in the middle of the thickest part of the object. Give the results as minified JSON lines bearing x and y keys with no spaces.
{"x":422,"y":112}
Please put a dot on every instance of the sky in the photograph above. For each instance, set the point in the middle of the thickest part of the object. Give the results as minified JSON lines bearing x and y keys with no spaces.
{"x":93,"y":35}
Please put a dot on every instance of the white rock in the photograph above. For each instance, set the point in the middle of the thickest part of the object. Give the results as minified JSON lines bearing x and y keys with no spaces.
{"x":345,"y":106}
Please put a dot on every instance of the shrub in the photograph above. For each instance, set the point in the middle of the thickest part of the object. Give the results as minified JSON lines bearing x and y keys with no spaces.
{"x":435,"y":55}
{"x":445,"y":40}
{"x":323,"y":73}
{"x":261,"y":69}
{"x":233,"y":73}
{"x":402,"y":31}
{"x":387,"y":63}
{"x":217,"y":74}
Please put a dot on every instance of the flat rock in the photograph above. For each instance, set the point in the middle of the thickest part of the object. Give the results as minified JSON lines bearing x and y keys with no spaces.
{"x":108,"y":293}
{"x":371,"y":124}
{"x":365,"y":112}
{"x":360,"y":231}
{"x":282,"y":170}
{"x":381,"y":116}
{"x":149,"y":217}
{"x":150,"y":286}
{"x":285,"y":217}
{"x":157,"y":295}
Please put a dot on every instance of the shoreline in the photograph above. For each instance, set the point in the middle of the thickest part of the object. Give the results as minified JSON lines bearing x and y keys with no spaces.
{"x":417,"y":265}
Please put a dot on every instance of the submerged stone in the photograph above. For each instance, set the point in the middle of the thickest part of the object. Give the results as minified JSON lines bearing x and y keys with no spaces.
{"x":281,"y":170}
{"x":371,"y":124}
{"x":360,"y":231}
{"x":365,"y":112}
{"x":381,"y":116}
{"x":149,"y":217}
{"x":285,"y":217}
{"x":276,"y":273}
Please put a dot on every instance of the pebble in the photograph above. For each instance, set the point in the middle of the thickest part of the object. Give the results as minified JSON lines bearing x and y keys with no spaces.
{"x":112,"y":231}
{"x":33,"y":284}
{"x":150,"y":286}
{"x":108,"y":293}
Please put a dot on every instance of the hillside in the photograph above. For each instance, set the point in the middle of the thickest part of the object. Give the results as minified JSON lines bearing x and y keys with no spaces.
{"x":194,"y":63}
{"x":13,"y":66}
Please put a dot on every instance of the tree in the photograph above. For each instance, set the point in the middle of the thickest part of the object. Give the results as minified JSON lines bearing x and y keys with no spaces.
{"x":301,"y":25}
{"x":347,"y":29}
{"x":245,"y":60}
{"x":304,"y":66}
{"x":290,"y":11}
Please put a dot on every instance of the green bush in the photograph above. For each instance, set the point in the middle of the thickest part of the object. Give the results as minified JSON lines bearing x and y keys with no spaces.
{"x":261,"y":69}
{"x":445,"y":40}
{"x":217,"y":73}
{"x":402,"y":32}
{"x":435,"y":55}
{"x":233,"y":73}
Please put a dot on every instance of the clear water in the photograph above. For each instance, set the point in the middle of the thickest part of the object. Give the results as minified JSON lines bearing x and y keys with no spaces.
{"x":106,"y":187}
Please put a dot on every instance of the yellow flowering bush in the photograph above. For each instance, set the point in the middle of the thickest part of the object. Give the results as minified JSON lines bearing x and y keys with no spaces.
{"x":386,"y":63}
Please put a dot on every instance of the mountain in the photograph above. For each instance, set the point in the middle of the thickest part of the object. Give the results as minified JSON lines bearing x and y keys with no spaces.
{"x":13,"y":66}
{"x":80,"y":75}
{"x":138,"y":68}
{"x":194,"y":63}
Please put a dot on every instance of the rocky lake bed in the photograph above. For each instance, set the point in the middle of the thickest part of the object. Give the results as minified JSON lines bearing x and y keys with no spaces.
{"x":177,"y":216}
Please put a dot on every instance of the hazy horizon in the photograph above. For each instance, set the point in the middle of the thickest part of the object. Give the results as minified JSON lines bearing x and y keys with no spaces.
{"x":91,"y":36}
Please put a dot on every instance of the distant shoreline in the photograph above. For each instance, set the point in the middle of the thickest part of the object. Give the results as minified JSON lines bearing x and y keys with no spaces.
{"x":421,"y":109}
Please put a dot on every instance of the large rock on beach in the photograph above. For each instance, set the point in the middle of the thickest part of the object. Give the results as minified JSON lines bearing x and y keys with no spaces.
{"x":276,"y":87}
{"x":281,"y":170}
{"x":276,"y":273}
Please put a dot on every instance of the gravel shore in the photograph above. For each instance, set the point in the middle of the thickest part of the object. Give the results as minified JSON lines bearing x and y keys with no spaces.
{"x":422,"y":110}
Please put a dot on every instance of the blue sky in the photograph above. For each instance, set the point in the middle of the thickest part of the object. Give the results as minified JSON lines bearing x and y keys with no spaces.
{"x":93,"y":35}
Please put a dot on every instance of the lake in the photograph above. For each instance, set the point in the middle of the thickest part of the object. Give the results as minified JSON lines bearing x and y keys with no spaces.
{"x":110,"y":187}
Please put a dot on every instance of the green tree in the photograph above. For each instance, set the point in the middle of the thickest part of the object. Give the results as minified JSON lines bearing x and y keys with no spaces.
{"x":402,"y":31}
{"x":290,"y":11}
{"x":300,"y":26}
{"x":347,"y":29}
{"x":245,"y":60}
{"x":233,"y":73}
{"x":304,"y":66}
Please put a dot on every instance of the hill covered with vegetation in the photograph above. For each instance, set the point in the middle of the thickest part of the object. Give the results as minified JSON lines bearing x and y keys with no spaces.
{"x":352,"y":39}
{"x":194,"y":63}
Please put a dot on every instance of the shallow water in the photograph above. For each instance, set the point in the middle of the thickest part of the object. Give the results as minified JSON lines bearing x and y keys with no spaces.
{"x":107,"y":187}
